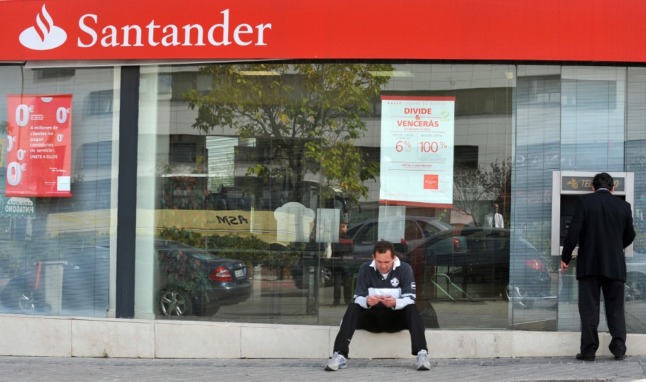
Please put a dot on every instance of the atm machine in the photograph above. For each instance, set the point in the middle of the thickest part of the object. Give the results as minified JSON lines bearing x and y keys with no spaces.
{"x":566,"y":187}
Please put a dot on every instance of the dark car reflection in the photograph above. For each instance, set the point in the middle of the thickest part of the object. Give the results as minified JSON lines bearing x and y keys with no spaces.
{"x":197,"y":282}
{"x":476,"y":260}
{"x":636,"y":273}
{"x":480,"y":259}
{"x":348,"y":255}
{"x":192,"y":282}
{"x":414,"y":231}
{"x":82,"y":276}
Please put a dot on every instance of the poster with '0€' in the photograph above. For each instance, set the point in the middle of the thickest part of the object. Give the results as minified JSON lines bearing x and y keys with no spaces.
{"x":39,"y":145}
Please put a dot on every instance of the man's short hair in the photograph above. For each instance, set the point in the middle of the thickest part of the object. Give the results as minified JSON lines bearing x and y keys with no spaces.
{"x":603,"y":180}
{"x":383,"y":246}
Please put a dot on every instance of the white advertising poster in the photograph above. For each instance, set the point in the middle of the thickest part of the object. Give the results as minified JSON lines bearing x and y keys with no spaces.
{"x":417,"y":137}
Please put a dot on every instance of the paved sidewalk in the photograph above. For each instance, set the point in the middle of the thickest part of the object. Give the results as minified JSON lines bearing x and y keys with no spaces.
{"x":305,"y":370}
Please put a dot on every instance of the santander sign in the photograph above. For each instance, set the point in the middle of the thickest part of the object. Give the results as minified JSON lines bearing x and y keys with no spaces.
{"x":93,"y":33}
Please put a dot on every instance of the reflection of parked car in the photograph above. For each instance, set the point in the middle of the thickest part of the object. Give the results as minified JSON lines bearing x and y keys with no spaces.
{"x":478,"y":255}
{"x":636,"y":274}
{"x":193,"y":282}
{"x":84,"y":285}
{"x":406,"y":233}
{"x":198,"y":282}
{"x":410,"y":230}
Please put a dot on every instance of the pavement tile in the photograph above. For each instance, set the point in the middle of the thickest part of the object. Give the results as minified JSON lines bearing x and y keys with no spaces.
{"x":482,"y":370}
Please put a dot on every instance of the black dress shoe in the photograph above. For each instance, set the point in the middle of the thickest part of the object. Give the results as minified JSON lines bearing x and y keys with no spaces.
{"x":583,"y":357}
{"x":619,"y":357}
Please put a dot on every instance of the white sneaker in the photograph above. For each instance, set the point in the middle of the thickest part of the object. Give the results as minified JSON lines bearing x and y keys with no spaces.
{"x":423,"y":362}
{"x":336,"y":362}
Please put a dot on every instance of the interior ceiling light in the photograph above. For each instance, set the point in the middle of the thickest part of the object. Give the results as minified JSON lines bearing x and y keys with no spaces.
{"x":258,"y":73}
{"x":390,"y":73}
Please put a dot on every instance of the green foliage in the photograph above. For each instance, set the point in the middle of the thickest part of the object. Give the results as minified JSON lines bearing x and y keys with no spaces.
{"x":249,"y":249}
{"x":181,"y":235}
{"x":182,"y":272}
{"x":311,"y":112}
{"x":253,"y":251}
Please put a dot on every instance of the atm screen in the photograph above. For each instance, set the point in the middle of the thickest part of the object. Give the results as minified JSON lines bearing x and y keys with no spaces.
{"x":567,"y":210}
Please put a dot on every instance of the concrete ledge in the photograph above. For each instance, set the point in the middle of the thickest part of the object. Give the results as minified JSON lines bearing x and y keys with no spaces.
{"x":119,"y":338}
{"x":113,"y":338}
{"x":35,"y":336}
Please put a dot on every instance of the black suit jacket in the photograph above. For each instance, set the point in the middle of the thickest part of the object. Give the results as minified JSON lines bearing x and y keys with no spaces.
{"x":602,"y":225}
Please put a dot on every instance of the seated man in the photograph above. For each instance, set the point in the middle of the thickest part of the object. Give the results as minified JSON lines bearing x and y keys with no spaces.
{"x":384,"y":301}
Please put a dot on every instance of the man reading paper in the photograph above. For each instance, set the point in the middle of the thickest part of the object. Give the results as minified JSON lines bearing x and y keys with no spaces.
{"x":384,"y":301}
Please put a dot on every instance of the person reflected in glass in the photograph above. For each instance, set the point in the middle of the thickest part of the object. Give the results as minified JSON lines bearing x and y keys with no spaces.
{"x":494,"y":218}
{"x":342,"y":274}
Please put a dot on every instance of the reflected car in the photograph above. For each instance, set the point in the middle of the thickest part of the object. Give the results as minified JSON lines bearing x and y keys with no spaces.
{"x":404,"y":232}
{"x":407,"y":233}
{"x":198,"y":282}
{"x":635,"y":287}
{"x":636,"y":274}
{"x":83,"y":274}
{"x":194,"y":282}
{"x":479,"y":255}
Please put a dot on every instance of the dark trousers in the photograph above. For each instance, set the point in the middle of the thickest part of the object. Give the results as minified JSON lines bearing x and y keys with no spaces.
{"x":342,"y":279}
{"x":590,"y":288}
{"x":380,"y":320}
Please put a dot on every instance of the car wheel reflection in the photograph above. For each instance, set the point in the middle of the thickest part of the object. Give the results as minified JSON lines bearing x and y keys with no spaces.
{"x":26,"y":303}
{"x":519,"y":297}
{"x":175,"y":303}
{"x":301,"y":281}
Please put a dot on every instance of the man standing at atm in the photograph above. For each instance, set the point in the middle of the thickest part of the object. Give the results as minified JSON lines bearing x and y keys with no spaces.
{"x":602,"y":226}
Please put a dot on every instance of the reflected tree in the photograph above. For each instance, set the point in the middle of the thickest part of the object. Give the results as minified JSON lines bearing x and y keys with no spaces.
{"x":468,"y":192}
{"x":497,"y":179}
{"x":475,"y":188}
{"x":312,"y":114}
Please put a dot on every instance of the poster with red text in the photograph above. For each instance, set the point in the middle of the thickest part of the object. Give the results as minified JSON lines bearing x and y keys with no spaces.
{"x":39,"y":144}
{"x":417,"y":138}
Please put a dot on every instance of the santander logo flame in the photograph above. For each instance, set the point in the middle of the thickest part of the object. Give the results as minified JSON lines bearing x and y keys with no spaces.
{"x":45,"y":35}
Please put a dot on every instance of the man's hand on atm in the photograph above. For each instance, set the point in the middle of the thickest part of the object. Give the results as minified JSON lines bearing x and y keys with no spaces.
{"x":564,"y":266}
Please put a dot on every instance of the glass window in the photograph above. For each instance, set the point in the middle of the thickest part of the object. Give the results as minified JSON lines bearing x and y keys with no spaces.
{"x":259,"y":163}
{"x":55,"y":250}
{"x":635,"y":157}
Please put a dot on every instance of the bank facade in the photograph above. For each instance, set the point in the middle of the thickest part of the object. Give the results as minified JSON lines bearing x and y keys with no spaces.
{"x":192,"y":164}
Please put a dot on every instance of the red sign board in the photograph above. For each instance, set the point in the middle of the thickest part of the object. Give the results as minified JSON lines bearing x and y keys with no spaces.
{"x":546,"y":30}
{"x":39,"y":135}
